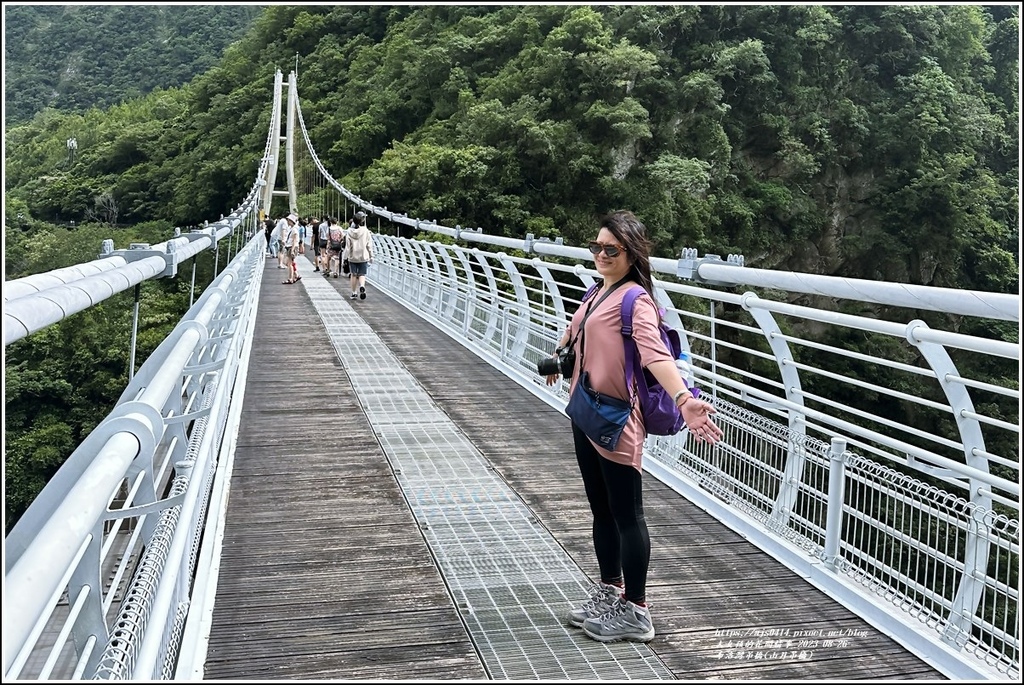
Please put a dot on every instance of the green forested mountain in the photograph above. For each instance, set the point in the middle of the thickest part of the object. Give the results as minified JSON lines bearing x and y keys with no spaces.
{"x":73,"y":57}
{"x":866,"y":141}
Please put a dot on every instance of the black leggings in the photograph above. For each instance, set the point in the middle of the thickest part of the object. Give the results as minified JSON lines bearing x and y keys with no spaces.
{"x":621,"y":541}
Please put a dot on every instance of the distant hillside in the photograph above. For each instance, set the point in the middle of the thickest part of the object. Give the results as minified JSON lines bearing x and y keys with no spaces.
{"x":73,"y":57}
{"x":876,"y":142}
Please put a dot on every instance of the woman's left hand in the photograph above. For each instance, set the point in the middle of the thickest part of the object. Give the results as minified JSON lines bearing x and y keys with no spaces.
{"x":697,"y":415}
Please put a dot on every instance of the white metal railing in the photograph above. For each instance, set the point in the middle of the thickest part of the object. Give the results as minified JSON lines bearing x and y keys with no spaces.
{"x":104,"y":557}
{"x":99,"y":569}
{"x":900,"y":520}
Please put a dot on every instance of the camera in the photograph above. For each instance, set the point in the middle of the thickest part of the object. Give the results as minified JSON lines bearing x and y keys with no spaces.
{"x":564,"y":362}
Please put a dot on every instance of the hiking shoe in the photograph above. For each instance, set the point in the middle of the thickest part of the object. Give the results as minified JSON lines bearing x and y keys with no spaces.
{"x":602,"y":597}
{"x":623,"y":621}
{"x":362,"y":293}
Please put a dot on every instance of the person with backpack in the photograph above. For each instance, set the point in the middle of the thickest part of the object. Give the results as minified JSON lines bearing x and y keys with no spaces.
{"x":268,"y":230}
{"x":335,"y":246}
{"x":358,"y":253}
{"x":322,"y":232}
{"x":616,"y":608}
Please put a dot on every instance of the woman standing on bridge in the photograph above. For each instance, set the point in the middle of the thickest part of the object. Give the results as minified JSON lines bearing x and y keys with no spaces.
{"x":617,"y":606}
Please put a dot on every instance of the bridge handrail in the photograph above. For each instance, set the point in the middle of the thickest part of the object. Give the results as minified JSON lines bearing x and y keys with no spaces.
{"x":63,"y":539}
{"x":34,"y":302}
{"x":711,"y":269}
{"x":915,"y":331}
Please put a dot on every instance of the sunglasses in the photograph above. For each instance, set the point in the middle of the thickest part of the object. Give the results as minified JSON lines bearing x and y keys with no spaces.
{"x":610,"y":251}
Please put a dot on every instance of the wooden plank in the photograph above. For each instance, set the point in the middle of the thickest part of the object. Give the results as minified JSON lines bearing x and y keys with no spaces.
{"x":325,"y":574}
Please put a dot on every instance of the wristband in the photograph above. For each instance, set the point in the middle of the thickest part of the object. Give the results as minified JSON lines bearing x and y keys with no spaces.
{"x":685,"y":392}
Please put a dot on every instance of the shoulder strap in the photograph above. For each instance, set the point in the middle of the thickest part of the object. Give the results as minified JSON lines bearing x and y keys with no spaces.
{"x":590,"y":308}
{"x":590,"y":292}
{"x":627,"y":310}
{"x":633,"y":368}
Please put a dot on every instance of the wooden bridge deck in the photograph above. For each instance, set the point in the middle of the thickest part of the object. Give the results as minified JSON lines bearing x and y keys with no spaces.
{"x":326,"y":574}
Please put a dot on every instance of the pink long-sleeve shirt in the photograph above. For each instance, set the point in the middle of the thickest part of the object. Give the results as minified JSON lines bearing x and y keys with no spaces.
{"x":603,"y":356}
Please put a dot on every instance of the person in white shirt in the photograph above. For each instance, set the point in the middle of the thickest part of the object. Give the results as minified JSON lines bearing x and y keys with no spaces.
{"x":291,"y":249}
{"x":281,"y":230}
{"x":359,"y":253}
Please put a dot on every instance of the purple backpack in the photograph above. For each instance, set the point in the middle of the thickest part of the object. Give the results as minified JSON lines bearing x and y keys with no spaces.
{"x":661,"y":415}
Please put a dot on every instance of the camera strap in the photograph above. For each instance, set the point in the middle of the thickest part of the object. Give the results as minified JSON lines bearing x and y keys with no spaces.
{"x":591,"y":306}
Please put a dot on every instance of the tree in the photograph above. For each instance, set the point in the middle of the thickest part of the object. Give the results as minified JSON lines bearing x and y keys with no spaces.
{"x":104,"y":210}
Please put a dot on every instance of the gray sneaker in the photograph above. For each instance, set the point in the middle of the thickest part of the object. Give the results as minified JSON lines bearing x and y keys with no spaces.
{"x":602,"y":598}
{"x":624,"y":621}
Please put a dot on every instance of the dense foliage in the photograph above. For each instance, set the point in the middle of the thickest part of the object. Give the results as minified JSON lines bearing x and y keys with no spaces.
{"x":74,"y":57}
{"x":868,"y":141}
{"x":60,"y":382}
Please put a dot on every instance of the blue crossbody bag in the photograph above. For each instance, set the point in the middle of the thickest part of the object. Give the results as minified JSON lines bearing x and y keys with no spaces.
{"x":601,"y":417}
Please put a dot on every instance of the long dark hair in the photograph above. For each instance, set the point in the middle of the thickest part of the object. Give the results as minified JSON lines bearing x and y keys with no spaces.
{"x":632,"y":234}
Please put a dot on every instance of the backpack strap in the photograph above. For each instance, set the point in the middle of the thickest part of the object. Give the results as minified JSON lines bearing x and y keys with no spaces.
{"x":633,"y":368}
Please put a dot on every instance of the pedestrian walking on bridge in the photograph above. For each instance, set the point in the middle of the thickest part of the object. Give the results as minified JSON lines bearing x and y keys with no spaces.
{"x":291,"y":249}
{"x":359,"y":253}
